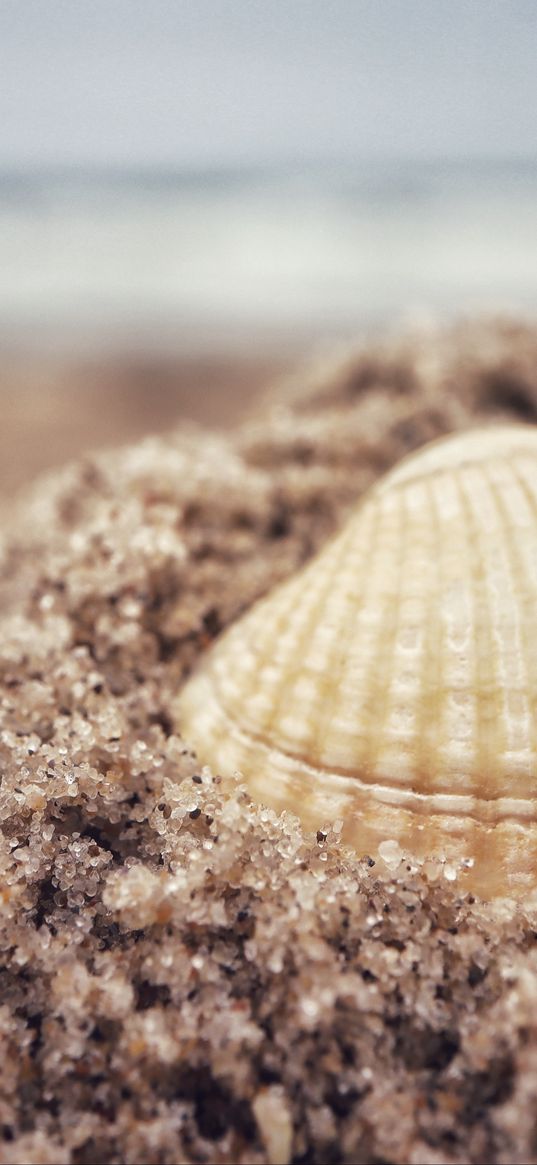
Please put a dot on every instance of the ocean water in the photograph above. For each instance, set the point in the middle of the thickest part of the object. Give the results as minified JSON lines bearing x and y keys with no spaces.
{"x":241,"y":258}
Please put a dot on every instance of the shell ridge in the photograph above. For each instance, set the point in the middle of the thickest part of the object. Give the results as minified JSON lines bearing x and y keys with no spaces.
{"x":336,"y":656}
{"x":500,"y":808}
{"x":246,"y":664}
{"x":398,"y":476}
{"x":306,"y":644}
{"x":504,"y":656}
{"x":428,"y":718}
{"x":487,"y":728}
{"x":384,"y":671}
{"x":521,"y":632}
{"x":530,"y":564}
{"x":360,"y":643}
{"x":332,"y":733}
{"x":269,"y":642}
{"x":385,"y":640}
{"x":484,"y":657}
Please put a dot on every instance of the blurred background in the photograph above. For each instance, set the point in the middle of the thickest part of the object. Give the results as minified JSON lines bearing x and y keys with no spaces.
{"x":198,"y":195}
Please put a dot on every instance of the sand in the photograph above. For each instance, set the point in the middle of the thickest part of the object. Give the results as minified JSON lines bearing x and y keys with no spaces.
{"x":58,"y":405}
{"x":186,"y":977}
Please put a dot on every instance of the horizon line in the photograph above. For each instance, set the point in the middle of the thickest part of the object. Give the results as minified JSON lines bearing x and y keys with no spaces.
{"x":29,"y":167}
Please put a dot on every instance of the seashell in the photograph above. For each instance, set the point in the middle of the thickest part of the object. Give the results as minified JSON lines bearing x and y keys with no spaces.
{"x":392,"y":682}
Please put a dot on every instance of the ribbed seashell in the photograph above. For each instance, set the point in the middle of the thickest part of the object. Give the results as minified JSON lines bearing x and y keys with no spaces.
{"x":392,"y":682}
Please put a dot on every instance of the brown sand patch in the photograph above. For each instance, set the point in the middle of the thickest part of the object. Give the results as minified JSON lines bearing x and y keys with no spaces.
{"x":57,"y":408}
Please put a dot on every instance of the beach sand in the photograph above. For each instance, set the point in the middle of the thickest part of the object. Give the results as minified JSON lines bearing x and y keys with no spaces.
{"x":186,"y":977}
{"x":56,"y":406}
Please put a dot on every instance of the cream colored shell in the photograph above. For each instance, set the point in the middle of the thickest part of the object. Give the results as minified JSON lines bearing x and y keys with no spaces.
{"x":392,"y":682}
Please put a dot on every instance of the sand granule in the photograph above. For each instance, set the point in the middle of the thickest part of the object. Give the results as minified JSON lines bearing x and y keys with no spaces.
{"x":186,"y":977}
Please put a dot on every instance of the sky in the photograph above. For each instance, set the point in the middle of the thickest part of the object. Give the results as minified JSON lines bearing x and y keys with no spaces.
{"x":226,"y":82}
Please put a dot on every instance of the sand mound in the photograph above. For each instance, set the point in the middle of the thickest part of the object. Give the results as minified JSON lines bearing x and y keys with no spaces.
{"x":186,"y":977}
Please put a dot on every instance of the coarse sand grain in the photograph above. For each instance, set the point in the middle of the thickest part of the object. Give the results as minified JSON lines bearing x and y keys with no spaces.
{"x":186,"y":977}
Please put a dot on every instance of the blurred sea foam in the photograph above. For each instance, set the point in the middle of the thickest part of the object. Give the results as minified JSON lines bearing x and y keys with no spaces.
{"x":236,"y":259}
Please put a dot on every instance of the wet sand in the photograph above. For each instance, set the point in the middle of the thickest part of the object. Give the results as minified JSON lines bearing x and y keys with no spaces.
{"x":55,"y":408}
